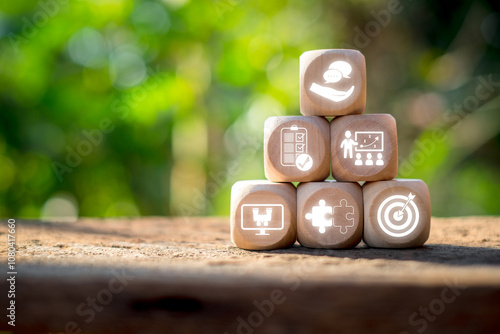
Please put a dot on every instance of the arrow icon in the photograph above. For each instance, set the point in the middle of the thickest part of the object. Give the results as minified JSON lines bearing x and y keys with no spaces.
{"x":399,"y":214}
{"x":373,"y":142}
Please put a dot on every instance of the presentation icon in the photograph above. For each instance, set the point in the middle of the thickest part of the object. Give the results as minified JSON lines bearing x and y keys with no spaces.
{"x":366,"y":147}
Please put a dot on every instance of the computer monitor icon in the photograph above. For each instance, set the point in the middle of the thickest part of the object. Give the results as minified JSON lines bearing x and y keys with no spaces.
{"x":262,"y":217}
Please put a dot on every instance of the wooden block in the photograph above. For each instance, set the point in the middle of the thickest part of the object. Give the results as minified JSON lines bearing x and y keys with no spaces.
{"x":332,"y":82}
{"x":364,"y":147}
{"x":329,"y":214}
{"x":296,"y":148}
{"x":397,"y":213}
{"x":263,"y":215}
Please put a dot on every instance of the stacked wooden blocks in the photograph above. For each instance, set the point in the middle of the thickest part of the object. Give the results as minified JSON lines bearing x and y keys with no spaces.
{"x":384,"y":212}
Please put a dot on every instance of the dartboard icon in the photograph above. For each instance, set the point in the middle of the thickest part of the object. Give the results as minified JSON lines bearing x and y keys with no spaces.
{"x":398,"y":215}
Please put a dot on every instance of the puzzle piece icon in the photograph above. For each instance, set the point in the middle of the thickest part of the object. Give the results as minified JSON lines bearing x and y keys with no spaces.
{"x":319,"y":216}
{"x":343,"y":216}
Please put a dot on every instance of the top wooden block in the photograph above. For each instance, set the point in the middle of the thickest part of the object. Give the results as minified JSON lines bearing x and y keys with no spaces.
{"x":332,"y":83}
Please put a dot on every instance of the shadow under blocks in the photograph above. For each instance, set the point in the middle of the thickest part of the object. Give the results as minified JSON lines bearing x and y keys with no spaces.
{"x":356,"y":147}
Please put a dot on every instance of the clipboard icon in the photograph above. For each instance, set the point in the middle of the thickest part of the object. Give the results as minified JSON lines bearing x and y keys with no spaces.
{"x":293,"y":143}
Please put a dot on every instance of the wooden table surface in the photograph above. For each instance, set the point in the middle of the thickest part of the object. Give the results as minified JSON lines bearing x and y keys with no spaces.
{"x":161,"y":275}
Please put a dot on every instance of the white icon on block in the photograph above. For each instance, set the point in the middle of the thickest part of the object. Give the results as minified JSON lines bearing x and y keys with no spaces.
{"x":365,"y":144}
{"x":336,"y":71}
{"x":319,"y":216}
{"x":340,"y":216}
{"x":294,"y":148}
{"x":348,"y":145}
{"x":369,"y":141}
{"x":392,"y":212}
{"x":344,"y":216}
{"x":262,"y":217}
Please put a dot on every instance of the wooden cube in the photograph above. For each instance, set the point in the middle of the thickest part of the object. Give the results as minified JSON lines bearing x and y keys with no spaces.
{"x":364,"y":147}
{"x":329,"y":214}
{"x":332,"y":83}
{"x":263,"y":215}
{"x":397,"y":213}
{"x":296,"y":148}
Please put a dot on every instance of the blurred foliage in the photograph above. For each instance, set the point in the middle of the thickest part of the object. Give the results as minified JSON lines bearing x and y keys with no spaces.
{"x":120,"y":108}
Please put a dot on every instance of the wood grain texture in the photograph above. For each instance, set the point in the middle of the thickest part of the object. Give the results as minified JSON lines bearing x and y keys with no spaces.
{"x":189,"y":278}
{"x":391,"y":202}
{"x":344,"y":230}
{"x":364,"y":130}
{"x":263,"y":214}
{"x":282,"y":160}
{"x":315,"y":68}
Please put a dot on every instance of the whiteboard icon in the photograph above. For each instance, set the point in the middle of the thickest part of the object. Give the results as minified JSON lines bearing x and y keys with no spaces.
{"x":369,"y":141}
{"x":398,"y":215}
{"x":262,"y":218}
{"x":294,"y":148}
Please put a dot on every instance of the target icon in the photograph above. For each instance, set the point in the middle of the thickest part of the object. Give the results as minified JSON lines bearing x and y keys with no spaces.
{"x":398,"y":215}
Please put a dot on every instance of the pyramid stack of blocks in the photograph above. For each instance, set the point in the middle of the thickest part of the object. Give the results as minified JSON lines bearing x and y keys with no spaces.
{"x":384,"y":212}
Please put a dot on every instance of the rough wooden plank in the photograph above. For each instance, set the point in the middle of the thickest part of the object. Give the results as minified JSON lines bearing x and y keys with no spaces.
{"x":185,"y":276}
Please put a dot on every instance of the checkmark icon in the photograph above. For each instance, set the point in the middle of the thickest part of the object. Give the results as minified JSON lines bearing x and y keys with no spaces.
{"x":300,"y":148}
{"x":304,"y":162}
{"x":300,"y":137}
{"x":302,"y":165}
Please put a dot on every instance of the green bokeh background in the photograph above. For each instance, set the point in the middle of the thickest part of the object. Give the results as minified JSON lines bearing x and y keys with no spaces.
{"x":173,"y":95}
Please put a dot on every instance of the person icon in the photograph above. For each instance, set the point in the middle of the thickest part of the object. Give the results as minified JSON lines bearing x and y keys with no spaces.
{"x":358,"y":161}
{"x":369,"y":161}
{"x":347,"y":144}
{"x":379,"y":161}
